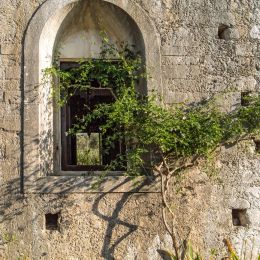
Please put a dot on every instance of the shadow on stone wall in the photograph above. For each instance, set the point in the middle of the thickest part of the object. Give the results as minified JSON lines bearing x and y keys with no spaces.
{"x":113,"y":220}
{"x":15,"y":205}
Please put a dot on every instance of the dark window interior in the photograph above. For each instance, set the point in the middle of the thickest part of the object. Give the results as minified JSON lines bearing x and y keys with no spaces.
{"x":85,"y":150}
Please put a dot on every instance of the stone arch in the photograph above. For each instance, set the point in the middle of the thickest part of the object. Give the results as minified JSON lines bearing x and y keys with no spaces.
{"x":44,"y":25}
{"x":39,"y":46}
{"x":79,"y":34}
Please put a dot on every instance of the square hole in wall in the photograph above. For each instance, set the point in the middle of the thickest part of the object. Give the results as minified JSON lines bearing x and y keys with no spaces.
{"x":223,"y":32}
{"x":52,"y":221}
{"x":239,"y":217}
{"x":245,"y":98}
{"x":257,"y":145}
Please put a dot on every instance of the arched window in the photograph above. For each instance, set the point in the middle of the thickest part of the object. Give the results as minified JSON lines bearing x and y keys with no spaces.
{"x":72,"y":28}
{"x":80,"y":37}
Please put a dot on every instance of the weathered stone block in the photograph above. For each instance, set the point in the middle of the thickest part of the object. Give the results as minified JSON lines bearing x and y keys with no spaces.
{"x":11,"y":85}
{"x":255,"y":32}
{"x":8,"y":48}
{"x":11,"y":123}
{"x":240,"y":204}
{"x":1,"y":72}
{"x":1,"y":95}
{"x":182,"y":85}
{"x":245,"y":84}
{"x":172,"y":61}
{"x":13,"y":96}
{"x":10,"y":60}
{"x":245,"y":49}
{"x":195,"y":71}
{"x":174,"y":50}
{"x":177,"y":72}
{"x":13,"y":72}
{"x":7,"y":109}
{"x":2,"y":152}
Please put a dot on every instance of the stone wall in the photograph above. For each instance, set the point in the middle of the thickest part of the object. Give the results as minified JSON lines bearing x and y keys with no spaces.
{"x":207,"y":47}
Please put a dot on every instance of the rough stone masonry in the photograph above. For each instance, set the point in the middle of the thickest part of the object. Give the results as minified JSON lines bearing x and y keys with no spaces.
{"x":204,"y":47}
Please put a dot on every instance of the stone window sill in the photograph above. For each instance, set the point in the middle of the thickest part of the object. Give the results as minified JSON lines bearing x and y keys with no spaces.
{"x":84,"y":184}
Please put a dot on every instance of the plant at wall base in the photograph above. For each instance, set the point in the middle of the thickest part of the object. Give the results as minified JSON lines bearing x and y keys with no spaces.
{"x":191,"y":254}
{"x":9,"y":238}
{"x":188,"y":254}
{"x":177,"y":137}
{"x":233,"y":254}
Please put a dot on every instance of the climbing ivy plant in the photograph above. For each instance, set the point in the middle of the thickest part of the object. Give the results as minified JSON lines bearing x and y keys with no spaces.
{"x":176,"y":137}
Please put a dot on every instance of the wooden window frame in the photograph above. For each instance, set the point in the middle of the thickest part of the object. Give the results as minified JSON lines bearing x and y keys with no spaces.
{"x":68,"y":143}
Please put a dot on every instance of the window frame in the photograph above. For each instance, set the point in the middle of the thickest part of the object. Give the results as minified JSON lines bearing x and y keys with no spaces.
{"x":60,"y":122}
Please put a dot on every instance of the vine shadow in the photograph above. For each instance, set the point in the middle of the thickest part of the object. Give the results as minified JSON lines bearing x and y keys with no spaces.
{"x":109,"y":246}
